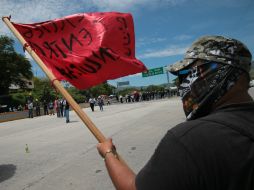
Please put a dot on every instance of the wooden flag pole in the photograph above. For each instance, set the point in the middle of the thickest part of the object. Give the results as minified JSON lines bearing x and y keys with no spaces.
{"x":88,"y":122}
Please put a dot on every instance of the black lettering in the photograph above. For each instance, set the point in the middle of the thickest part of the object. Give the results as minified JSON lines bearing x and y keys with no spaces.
{"x":81,"y":18}
{"x":123,"y":22}
{"x":115,"y":57}
{"x":63,"y":72}
{"x":44,"y":27}
{"x":95,"y":63}
{"x":127,"y":39}
{"x":61,"y":51}
{"x":71,"y":73}
{"x":73,"y":66}
{"x":83,"y":70}
{"x":87,"y":34}
{"x":63,"y":25}
{"x":126,"y":35}
{"x":37,"y":47}
{"x":55,"y":27}
{"x":69,"y":46}
{"x":89,"y":68}
{"x":37,"y":27}
{"x":28,"y":33}
{"x":104,"y":52}
{"x":52,"y":51}
{"x":78,"y":68}
{"x":70,"y":23}
{"x":128,"y":52}
{"x":63,"y":22}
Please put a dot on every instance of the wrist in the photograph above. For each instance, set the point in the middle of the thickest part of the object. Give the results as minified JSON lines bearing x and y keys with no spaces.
{"x":108,"y":152}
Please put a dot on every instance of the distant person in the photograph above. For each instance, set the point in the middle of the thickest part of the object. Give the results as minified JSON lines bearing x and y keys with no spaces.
{"x":67,"y":111}
{"x":92,"y":103}
{"x":51,"y":108}
{"x":37,"y":107}
{"x":57,"y":106}
{"x":100,"y":103}
{"x":108,"y":101}
{"x":214,"y":148}
{"x":127,"y":98}
{"x":62,"y":106}
{"x":121,"y":98}
{"x":45,"y":107}
{"x":30,"y":109}
{"x":20,"y":107}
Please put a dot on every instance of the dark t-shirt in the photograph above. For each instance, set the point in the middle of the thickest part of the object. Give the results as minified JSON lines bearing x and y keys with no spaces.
{"x":67,"y":106}
{"x":215,"y":152}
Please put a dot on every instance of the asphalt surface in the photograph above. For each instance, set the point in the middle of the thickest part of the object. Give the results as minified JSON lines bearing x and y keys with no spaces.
{"x":64,"y":156}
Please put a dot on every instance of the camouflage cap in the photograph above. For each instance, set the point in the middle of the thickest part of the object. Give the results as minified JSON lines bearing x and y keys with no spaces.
{"x":218,"y":49}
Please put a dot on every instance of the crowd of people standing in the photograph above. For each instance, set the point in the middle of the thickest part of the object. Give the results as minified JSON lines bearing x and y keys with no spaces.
{"x":144,"y":96}
{"x":100,"y":102}
{"x":134,"y":96}
{"x":59,"y":106}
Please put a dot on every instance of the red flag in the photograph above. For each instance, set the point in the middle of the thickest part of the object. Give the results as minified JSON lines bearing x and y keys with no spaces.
{"x":85,"y":49}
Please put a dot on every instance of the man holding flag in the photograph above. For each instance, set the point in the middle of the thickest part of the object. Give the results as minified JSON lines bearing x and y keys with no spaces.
{"x":214,"y":148}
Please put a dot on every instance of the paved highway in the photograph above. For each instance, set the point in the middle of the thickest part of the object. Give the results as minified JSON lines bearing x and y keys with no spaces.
{"x":64,"y":156}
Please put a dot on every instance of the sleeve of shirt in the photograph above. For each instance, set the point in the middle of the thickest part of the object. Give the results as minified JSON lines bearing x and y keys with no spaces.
{"x":171,"y":167}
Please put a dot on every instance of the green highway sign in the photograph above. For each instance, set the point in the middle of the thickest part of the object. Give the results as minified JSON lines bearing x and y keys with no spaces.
{"x":152,"y":72}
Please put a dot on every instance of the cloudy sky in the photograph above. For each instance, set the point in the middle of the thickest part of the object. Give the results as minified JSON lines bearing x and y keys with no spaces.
{"x":164,"y":28}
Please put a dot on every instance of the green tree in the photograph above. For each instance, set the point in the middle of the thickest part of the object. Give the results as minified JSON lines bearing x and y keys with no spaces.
{"x":14,"y":67}
{"x":43,"y":89}
{"x":151,"y":88}
{"x":77,"y":95}
{"x":101,"y":89}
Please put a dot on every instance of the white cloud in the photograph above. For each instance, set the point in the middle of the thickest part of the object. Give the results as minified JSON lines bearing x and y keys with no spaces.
{"x":182,"y":37}
{"x":29,"y":11}
{"x":110,"y":5}
{"x":28,"y":56}
{"x":128,"y":5}
{"x":148,"y":41}
{"x":165,"y":52}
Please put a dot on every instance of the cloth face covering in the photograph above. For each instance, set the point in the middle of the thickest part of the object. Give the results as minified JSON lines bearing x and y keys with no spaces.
{"x":203,"y":85}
